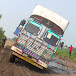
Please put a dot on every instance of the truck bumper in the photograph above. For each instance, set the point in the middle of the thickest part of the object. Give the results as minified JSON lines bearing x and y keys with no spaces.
{"x":38,"y":63}
{"x":27,"y":59}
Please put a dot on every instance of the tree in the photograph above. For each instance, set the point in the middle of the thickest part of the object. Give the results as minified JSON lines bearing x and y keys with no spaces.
{"x":0,"y":16}
{"x":1,"y":35}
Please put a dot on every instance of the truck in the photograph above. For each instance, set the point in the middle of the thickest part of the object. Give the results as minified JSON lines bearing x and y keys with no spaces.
{"x":38,"y":37}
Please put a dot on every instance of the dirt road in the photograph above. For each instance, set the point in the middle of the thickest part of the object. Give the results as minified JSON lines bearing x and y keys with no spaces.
{"x":57,"y":67}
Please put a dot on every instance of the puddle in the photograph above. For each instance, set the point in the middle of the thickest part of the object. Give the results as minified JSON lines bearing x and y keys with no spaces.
{"x":57,"y":67}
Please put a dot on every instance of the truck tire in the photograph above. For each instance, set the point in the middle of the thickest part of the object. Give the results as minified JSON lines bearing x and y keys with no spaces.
{"x":12,"y":58}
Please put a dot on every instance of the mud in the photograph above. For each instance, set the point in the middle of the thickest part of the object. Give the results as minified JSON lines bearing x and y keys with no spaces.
{"x":22,"y":68}
{"x":59,"y":68}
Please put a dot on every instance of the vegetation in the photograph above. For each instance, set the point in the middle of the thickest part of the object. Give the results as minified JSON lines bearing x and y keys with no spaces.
{"x":64,"y":53}
{"x":1,"y":33}
{"x":0,"y":16}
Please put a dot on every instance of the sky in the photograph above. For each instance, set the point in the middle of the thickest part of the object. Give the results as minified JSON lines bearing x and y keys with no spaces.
{"x":13,"y":11}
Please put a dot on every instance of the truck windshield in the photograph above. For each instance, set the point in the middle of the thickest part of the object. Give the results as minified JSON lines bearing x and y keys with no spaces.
{"x":51,"y":38}
{"x":33,"y":28}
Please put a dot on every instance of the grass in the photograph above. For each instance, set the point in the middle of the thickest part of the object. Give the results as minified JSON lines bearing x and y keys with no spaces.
{"x":64,"y":53}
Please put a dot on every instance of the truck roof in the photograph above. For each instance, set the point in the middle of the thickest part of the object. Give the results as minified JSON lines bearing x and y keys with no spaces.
{"x":50,"y":15}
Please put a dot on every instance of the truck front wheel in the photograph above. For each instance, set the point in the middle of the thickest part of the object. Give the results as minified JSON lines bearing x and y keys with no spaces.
{"x":12,"y":58}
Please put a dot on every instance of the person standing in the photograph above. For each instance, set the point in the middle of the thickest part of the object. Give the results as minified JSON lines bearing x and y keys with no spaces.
{"x":3,"y":42}
{"x":3,"y":45}
{"x":62,"y":45}
{"x":70,"y":51}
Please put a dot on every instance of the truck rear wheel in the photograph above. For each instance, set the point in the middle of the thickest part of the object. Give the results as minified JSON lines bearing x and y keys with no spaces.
{"x":12,"y":58}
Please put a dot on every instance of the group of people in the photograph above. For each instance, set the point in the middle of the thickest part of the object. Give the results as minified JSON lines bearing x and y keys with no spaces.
{"x":70,"y":48}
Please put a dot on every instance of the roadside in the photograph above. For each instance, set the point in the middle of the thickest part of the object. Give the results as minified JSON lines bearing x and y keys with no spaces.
{"x":64,"y":54}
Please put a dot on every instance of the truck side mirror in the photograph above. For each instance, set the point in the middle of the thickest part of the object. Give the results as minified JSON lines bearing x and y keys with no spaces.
{"x":22,"y":22}
{"x":19,"y":27}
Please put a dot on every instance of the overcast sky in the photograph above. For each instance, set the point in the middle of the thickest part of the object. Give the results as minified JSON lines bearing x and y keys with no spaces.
{"x":13,"y":11}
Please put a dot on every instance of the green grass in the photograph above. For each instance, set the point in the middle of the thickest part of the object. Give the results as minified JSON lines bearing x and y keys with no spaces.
{"x":64,"y":53}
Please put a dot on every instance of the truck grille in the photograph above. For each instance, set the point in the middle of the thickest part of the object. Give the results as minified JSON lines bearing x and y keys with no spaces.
{"x":34,"y":46}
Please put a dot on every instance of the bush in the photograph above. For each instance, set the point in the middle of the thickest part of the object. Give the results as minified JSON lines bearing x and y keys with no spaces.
{"x":0,"y":16}
{"x":1,"y":36}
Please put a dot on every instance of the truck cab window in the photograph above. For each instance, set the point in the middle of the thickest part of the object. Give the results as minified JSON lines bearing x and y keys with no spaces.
{"x":35,"y":28}
{"x":50,"y":38}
